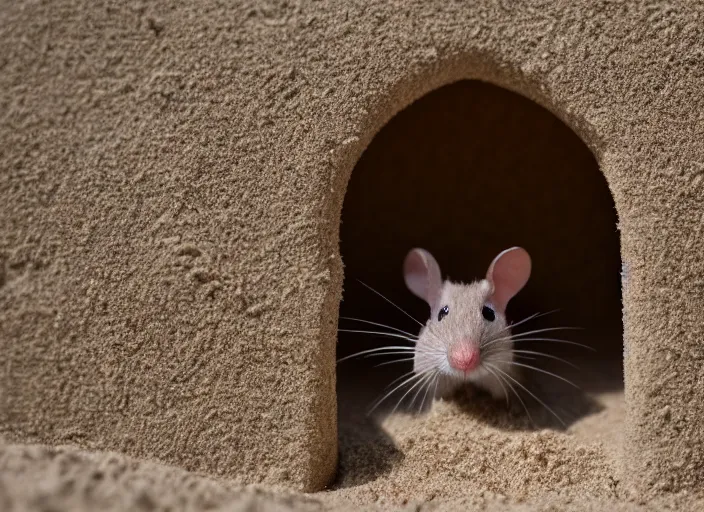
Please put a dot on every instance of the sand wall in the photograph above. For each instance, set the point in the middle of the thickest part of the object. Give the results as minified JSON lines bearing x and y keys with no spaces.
{"x":171,"y":182}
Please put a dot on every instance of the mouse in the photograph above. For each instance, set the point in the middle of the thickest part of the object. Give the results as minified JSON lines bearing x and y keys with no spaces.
{"x":467,"y":338}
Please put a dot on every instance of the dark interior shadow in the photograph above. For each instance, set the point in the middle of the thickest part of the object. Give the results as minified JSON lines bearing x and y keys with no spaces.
{"x":465,"y":172}
{"x":366,"y":453}
{"x":366,"y":450}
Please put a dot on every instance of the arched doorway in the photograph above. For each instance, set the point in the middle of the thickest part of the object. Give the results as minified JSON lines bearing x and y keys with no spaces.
{"x":466,"y":171}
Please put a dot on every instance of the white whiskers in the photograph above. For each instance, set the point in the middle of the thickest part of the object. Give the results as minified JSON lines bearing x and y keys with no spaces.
{"x":531,"y":394}
{"x":493,"y":347}
{"x":390,"y":302}
{"x":412,"y":336}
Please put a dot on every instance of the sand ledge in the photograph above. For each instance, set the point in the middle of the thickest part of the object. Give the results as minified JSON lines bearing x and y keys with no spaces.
{"x":34,"y":477}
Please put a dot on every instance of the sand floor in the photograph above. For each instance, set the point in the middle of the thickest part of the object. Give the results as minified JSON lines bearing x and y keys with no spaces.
{"x":464,"y":453}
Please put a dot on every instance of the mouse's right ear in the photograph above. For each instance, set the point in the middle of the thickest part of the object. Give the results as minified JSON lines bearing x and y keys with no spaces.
{"x":422,"y":275}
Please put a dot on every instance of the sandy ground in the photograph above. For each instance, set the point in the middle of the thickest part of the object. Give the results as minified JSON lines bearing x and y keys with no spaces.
{"x":464,"y":453}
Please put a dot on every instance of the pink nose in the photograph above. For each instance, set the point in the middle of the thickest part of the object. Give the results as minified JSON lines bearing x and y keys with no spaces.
{"x":463,"y":357}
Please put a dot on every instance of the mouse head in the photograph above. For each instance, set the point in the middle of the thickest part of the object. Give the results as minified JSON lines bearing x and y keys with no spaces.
{"x":467,"y":330}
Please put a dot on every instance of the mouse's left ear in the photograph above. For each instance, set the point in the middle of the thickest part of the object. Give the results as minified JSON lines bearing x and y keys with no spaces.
{"x":508,"y":274}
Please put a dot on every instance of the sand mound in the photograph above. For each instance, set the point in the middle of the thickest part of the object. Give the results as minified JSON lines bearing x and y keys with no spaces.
{"x":448,"y":459}
{"x":464,"y":453}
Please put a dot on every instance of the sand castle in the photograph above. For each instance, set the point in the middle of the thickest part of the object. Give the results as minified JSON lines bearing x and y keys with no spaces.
{"x":171,"y":248}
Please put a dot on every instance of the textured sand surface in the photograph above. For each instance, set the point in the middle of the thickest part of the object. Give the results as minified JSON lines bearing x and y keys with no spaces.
{"x":172,"y":178}
{"x":446,"y":461}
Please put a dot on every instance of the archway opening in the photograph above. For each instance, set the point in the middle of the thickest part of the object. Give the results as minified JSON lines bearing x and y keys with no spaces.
{"x":466,"y":171}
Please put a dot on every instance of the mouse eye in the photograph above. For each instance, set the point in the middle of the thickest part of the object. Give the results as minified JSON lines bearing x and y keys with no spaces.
{"x":443,"y":313}
{"x":488,"y":313}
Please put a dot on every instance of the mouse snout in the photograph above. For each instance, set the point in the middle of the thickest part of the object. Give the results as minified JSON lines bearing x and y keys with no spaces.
{"x":463,"y":357}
